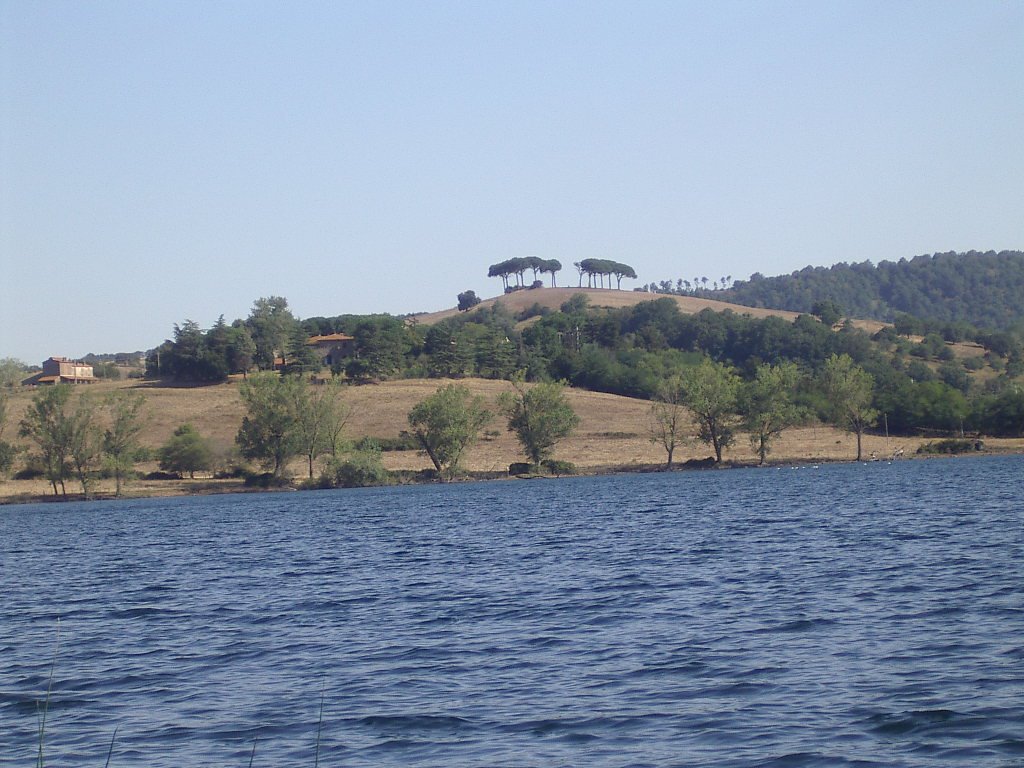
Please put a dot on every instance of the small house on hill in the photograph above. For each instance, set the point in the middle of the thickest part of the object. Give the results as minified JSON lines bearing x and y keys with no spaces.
{"x":332,"y":347}
{"x":61,"y":370}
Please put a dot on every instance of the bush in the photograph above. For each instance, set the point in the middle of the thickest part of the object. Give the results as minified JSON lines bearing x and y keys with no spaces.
{"x":162,"y":476}
{"x":32,"y":470}
{"x":557,"y":467}
{"x":951,"y":446}
{"x":361,"y":469}
{"x":266,"y":480}
{"x":536,"y":310}
{"x":522,"y":468}
{"x":231,"y":473}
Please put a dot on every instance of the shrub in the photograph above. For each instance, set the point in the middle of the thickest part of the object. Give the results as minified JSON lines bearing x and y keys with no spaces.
{"x":265,"y":480}
{"x":33,"y":469}
{"x":950,"y":446}
{"x":557,"y":467}
{"x":361,"y":469}
{"x":162,"y":476}
{"x":536,"y":310}
{"x":521,"y":468}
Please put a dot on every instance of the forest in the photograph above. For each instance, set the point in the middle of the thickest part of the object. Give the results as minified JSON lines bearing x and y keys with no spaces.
{"x":984,"y":290}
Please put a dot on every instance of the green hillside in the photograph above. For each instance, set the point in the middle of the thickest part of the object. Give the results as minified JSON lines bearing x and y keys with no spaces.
{"x":985,"y":290}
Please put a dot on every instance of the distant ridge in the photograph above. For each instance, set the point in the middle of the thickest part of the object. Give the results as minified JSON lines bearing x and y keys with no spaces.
{"x":983,"y":289}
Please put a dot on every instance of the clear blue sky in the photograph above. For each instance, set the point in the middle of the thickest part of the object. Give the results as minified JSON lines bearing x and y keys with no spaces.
{"x":164,"y":161}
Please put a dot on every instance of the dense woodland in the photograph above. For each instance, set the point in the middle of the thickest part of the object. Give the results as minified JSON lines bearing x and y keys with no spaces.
{"x":985,"y":290}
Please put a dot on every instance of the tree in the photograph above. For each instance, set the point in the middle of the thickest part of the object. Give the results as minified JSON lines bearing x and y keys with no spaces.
{"x":848,"y":388}
{"x":186,"y":451}
{"x":48,"y":423}
{"x":7,"y":450}
{"x":446,"y":424}
{"x":120,"y":441}
{"x":86,"y":441}
{"x":710,"y":391}
{"x":539,"y":416}
{"x":298,"y":356}
{"x":241,"y":350}
{"x":271,"y":323}
{"x":269,"y":431}
{"x":551,"y":266}
{"x":767,"y":405}
{"x":381,"y":343}
{"x":468,"y":300}
{"x":669,"y":418}
{"x":827,"y":311}
{"x":12,"y":371}
{"x":321,"y":418}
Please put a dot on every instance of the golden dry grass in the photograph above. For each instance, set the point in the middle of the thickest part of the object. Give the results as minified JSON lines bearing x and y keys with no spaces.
{"x":613,"y":433}
{"x":553,"y":298}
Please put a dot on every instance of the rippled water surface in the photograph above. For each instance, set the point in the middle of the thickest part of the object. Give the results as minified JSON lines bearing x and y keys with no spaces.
{"x":842,"y":615}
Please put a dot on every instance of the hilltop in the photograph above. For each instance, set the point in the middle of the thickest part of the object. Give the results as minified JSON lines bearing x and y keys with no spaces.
{"x":606,"y":298}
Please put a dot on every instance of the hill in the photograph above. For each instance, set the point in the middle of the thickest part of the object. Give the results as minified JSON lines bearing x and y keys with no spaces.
{"x":553,"y":298}
{"x":985,"y":290}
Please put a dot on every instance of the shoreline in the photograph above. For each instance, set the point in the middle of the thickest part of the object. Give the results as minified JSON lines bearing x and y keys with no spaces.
{"x":213,"y":487}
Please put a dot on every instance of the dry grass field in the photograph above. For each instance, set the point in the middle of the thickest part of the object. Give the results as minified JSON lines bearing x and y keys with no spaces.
{"x":613,"y":433}
{"x":606,"y":298}
{"x":553,"y":298}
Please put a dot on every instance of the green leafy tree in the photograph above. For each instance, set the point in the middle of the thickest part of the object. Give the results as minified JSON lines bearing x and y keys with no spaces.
{"x":271,"y":324}
{"x":849,"y":389}
{"x":360,"y":469}
{"x":381,"y":345}
{"x":12,"y":371}
{"x":86,"y":441}
{"x":827,"y":311}
{"x":7,"y":450}
{"x":240,"y":352}
{"x":710,"y":391}
{"x":669,"y":418}
{"x":446,"y":424}
{"x":186,"y":451}
{"x":121,"y":439}
{"x":767,"y":405}
{"x":269,"y":431}
{"x":468,"y":300}
{"x":539,"y":416}
{"x":299,"y":357}
{"x":48,"y":423}
{"x":321,"y":413}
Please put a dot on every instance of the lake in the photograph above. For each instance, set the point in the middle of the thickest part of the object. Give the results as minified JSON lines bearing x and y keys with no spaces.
{"x":854,"y":614}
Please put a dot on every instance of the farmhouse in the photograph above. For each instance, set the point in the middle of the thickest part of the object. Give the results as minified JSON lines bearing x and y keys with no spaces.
{"x":61,"y":370}
{"x":332,"y":347}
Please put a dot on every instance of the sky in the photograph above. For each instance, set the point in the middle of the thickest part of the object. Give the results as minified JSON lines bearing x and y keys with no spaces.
{"x":170,"y":161}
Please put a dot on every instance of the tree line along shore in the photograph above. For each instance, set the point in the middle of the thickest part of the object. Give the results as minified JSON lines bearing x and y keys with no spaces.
{"x":614,"y":434}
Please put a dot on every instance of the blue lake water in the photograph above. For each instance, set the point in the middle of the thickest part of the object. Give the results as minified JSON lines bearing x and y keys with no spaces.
{"x":868,"y":615}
